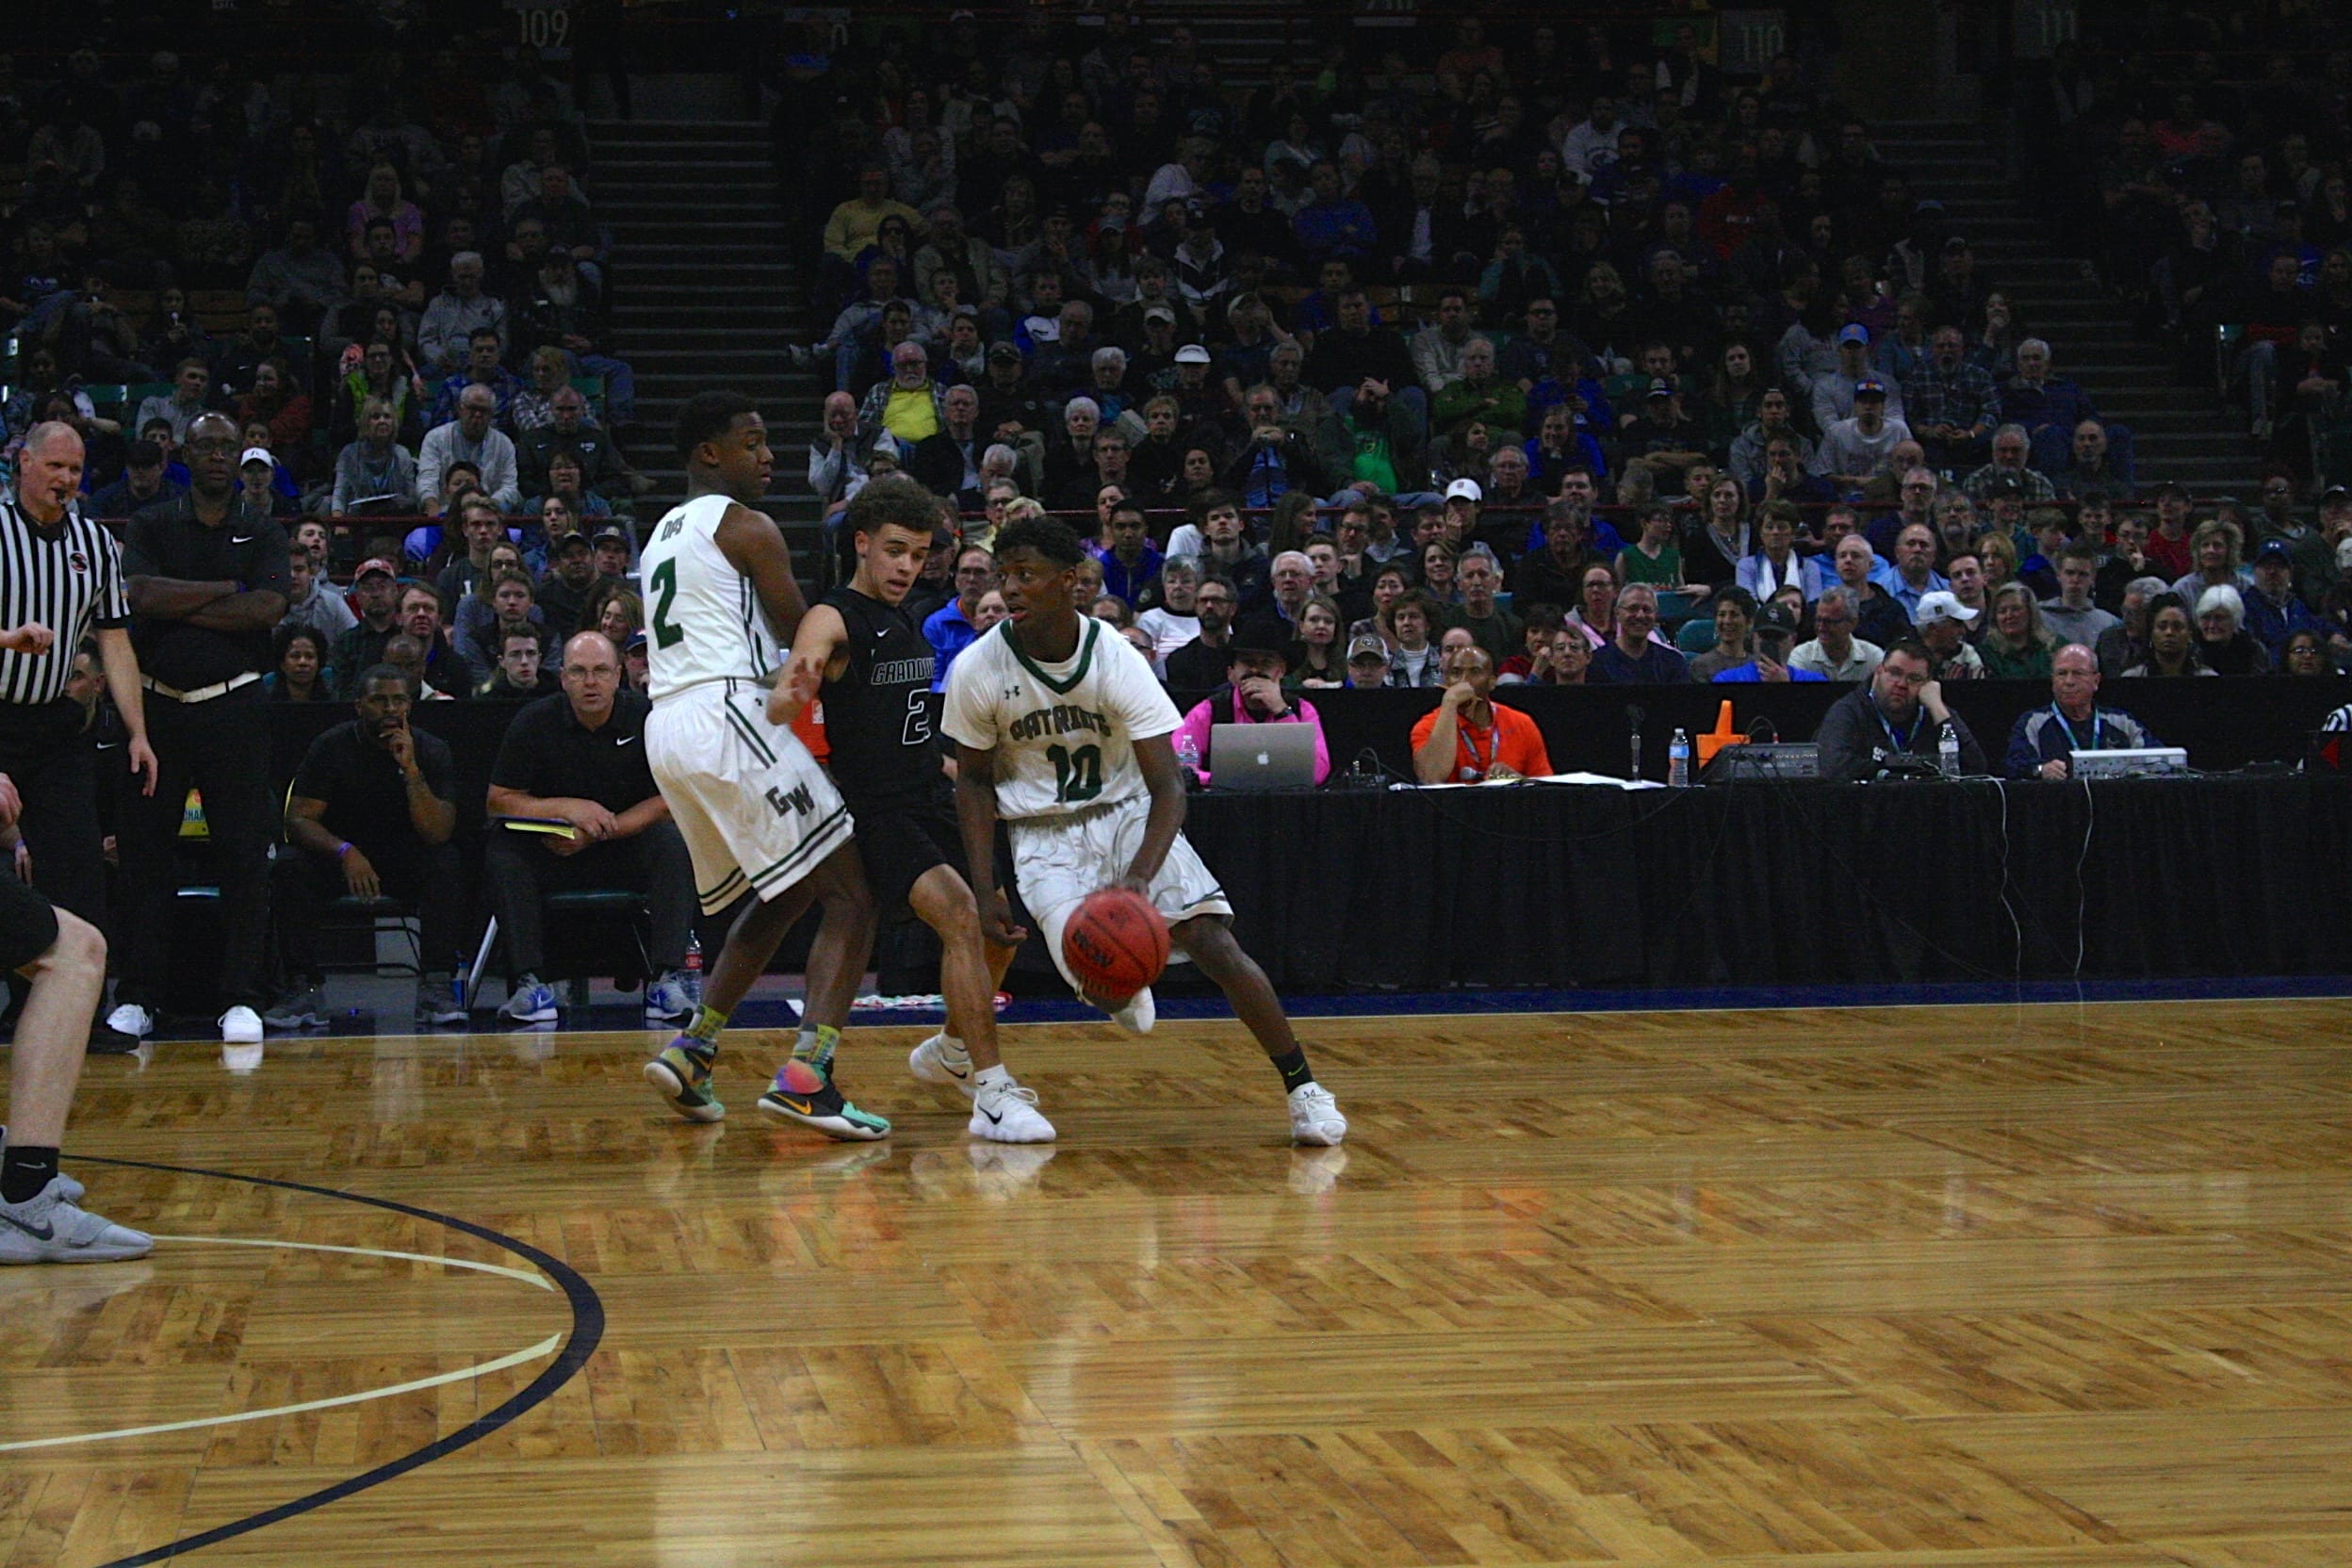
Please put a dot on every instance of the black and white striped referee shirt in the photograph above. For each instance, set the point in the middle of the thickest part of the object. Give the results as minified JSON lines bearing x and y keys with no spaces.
{"x":68,"y":579}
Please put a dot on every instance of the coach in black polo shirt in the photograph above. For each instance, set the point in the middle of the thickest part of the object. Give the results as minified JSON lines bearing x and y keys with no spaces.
{"x":372,"y":809}
{"x":207,"y":579}
{"x":580,"y":755}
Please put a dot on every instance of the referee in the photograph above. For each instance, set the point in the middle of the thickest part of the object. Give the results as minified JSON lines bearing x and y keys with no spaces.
{"x":61,"y":571}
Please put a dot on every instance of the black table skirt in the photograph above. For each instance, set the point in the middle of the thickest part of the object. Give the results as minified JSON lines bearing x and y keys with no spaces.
{"x":1802,"y":884}
{"x":1752,"y":884}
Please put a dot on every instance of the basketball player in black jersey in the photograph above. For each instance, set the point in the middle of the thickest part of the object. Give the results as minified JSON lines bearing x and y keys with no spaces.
{"x":857,"y":650}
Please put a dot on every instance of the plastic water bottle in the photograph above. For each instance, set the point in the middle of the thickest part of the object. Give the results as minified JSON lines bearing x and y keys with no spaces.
{"x":694,"y":967}
{"x":1189,"y":755}
{"x":1678,"y":761}
{"x":1948,"y":752}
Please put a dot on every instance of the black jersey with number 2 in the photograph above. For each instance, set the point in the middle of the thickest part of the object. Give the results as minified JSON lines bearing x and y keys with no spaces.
{"x":877,"y":715}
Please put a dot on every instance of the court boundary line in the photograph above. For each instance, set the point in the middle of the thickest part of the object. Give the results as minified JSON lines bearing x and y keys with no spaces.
{"x":539,"y":1282}
{"x":365,"y":1395}
{"x":586,"y":1333}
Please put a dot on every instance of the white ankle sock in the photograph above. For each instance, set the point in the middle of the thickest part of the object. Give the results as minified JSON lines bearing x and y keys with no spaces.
{"x":1000,"y":1073}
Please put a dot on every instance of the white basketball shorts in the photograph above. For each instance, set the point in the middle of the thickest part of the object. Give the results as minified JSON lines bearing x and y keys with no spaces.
{"x":757,"y":811}
{"x":1058,"y":861}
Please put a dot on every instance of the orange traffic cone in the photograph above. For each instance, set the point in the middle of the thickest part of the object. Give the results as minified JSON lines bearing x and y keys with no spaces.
{"x":1723,"y":735}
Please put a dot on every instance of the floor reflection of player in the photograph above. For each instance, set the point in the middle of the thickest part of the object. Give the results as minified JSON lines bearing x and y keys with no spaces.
{"x":1063,"y":731}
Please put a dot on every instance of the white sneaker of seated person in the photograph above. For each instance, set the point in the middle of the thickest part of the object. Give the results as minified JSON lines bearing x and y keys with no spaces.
{"x":531,"y":1000}
{"x":669,"y":998}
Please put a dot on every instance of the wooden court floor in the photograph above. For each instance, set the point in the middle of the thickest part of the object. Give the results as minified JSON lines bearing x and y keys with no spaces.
{"x":1984,"y":1288}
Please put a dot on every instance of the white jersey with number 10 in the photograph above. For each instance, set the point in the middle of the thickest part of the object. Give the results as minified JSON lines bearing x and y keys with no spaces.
{"x":1064,"y":734}
{"x":703,"y":619}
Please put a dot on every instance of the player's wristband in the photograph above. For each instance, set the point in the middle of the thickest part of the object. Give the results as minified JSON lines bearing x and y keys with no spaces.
{"x":342,"y":849}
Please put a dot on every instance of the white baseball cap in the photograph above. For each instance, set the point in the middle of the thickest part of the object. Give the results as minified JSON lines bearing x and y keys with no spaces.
{"x":1464,"y":490}
{"x":1941,"y":606}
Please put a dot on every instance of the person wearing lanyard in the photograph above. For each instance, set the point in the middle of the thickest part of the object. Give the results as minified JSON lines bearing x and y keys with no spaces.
{"x":1900,"y":712}
{"x":1469,"y":738}
{"x":2045,"y":739}
{"x":62,"y":573}
{"x":207,"y":579}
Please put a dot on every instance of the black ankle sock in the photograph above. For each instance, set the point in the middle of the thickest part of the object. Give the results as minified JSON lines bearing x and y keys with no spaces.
{"x":1294,"y":1067}
{"x":25,"y":1170}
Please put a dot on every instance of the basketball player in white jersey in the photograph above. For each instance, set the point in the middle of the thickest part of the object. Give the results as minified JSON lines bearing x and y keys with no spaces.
{"x":1062,"y":729}
{"x":757,"y":813}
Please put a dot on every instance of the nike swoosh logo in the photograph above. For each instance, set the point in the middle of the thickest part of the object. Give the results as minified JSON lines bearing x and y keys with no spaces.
{"x":626,"y":740}
{"x":243,"y":539}
{"x":798,"y":1107}
{"x":994,"y":1119}
{"x":47,"y":1233}
{"x":954,"y":1072}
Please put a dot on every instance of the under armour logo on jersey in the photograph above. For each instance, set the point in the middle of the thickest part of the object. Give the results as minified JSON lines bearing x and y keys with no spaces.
{"x":800,"y":800}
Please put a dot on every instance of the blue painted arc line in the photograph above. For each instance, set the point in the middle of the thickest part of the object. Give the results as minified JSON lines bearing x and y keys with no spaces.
{"x":587,"y":1331}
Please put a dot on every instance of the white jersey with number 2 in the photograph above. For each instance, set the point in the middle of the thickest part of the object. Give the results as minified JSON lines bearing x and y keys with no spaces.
{"x":1064,"y":734}
{"x":703,"y":620}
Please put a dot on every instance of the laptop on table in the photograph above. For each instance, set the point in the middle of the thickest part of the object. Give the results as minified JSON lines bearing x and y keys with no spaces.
{"x":1262,"y":755}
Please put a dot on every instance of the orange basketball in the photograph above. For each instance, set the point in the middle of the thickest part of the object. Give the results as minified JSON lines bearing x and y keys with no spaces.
{"x":1115,"y":943}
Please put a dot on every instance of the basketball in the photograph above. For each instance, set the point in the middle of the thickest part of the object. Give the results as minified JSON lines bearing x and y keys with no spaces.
{"x":1116,"y":944}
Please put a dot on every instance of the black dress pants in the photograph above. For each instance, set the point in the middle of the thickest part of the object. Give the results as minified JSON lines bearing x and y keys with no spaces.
{"x":55,"y":767}
{"x":520,"y":873}
{"x":429,"y":876}
{"x":221,"y":747}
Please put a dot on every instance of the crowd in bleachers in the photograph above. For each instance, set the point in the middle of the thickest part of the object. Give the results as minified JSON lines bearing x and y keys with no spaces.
{"x":1521,"y":355}
{"x":2207,"y":176}
{"x":1494,"y":332}
{"x":333,"y":262}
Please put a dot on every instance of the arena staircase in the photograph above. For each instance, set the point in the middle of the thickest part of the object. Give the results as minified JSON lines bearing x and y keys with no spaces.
{"x":705,"y":296}
{"x":2181,"y":430}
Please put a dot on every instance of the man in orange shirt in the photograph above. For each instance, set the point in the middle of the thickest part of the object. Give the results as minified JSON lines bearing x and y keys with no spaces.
{"x":1470,"y":738}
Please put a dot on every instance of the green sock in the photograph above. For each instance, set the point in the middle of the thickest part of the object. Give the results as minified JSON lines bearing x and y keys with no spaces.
{"x":1294,"y":1069}
{"x":816,"y":1047}
{"x":704,"y":1030}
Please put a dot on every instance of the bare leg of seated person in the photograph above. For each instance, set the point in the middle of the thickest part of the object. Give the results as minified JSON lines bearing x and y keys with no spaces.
{"x":41,"y":1217}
